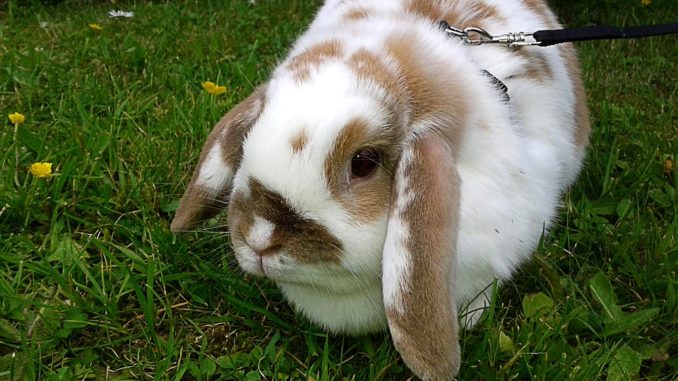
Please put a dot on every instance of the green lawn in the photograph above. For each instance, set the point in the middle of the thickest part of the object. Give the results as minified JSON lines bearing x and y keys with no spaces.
{"x":93,"y":285}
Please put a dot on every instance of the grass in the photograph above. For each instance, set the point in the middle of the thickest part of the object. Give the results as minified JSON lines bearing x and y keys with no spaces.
{"x":94,"y":286}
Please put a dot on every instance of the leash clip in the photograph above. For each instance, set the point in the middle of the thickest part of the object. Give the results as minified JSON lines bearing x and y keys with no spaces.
{"x":478,"y":36}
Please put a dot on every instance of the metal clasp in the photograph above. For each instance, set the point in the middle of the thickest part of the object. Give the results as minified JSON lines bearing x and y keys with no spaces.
{"x":479,"y":36}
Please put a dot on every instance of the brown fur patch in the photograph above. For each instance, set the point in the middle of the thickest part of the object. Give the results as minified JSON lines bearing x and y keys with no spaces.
{"x":475,"y":14}
{"x":302,"y":64}
{"x":303,"y":239}
{"x":424,"y":100}
{"x":426,"y":90}
{"x":425,"y":333}
{"x":299,"y":142}
{"x":370,"y":68}
{"x":365,"y":200}
{"x":349,"y":139}
{"x":234,"y":126}
{"x":198,"y":202}
{"x":581,"y":111}
{"x":429,"y":9}
{"x":432,"y":10}
{"x":357,"y":14}
{"x":481,"y":13}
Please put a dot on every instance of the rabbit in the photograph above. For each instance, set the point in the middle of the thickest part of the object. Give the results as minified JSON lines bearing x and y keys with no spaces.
{"x":386,"y":175}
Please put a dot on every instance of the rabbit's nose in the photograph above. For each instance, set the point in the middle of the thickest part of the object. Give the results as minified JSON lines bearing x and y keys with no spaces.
{"x":260,"y":237}
{"x":262,"y":248}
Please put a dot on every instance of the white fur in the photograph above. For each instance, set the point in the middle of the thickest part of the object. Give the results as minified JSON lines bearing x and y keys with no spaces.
{"x":397,"y":259}
{"x":396,"y":268}
{"x":514,"y":162}
{"x":360,"y":311}
{"x":259,"y":236}
{"x":214,"y":172}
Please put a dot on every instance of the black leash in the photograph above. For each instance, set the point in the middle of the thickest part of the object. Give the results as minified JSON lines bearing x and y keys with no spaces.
{"x":586,"y":33}
{"x":478,"y":36}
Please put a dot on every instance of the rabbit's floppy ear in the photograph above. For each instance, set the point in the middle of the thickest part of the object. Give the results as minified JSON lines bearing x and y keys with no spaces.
{"x":210,"y":185}
{"x":419,"y":258}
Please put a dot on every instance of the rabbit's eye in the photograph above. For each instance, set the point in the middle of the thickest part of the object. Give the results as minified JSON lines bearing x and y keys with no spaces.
{"x":364,"y":162}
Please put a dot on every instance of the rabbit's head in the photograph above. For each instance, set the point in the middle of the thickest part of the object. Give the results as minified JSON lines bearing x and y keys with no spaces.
{"x":341,"y":185}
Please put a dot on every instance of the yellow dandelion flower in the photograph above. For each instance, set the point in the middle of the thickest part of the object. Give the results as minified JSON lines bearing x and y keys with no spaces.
{"x":41,"y":170}
{"x":212,"y":88}
{"x":17,"y":118}
{"x":96,"y":27}
{"x":646,"y":2}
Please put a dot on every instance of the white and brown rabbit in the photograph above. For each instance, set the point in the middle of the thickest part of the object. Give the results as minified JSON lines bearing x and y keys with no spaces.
{"x":383,"y":178}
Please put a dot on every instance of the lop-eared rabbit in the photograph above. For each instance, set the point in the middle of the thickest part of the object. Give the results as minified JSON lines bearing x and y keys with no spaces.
{"x":384,"y":177}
